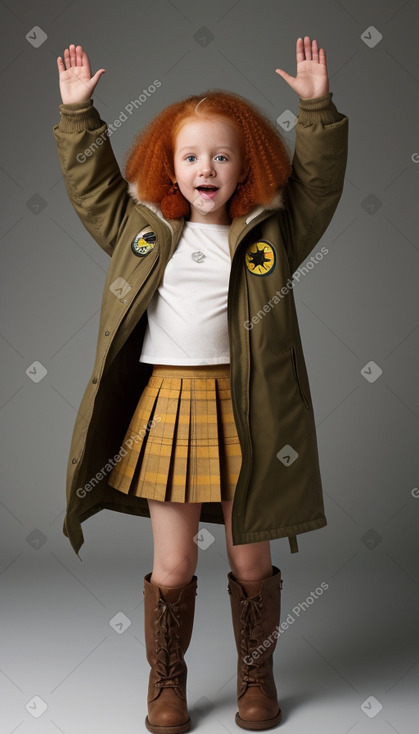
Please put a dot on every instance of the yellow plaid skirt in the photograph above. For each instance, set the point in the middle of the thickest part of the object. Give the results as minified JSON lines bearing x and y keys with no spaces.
{"x":181,"y":444}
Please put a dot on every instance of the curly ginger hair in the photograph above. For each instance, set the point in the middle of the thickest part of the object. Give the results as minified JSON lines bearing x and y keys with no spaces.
{"x":265,"y":158}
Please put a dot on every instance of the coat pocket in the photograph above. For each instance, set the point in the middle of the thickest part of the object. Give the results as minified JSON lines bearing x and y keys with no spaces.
{"x":293,"y":356}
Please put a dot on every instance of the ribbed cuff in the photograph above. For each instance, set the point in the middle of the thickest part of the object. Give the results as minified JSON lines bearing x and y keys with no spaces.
{"x":318,"y":109}
{"x":79,"y":116}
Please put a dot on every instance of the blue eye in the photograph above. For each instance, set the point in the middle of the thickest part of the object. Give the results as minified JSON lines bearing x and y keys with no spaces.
{"x":220,"y":155}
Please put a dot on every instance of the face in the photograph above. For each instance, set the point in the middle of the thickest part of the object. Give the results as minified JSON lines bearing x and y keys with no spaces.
{"x":207,"y":153}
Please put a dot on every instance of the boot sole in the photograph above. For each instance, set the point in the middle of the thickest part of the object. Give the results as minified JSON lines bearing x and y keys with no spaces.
{"x":178,"y":729}
{"x":258,"y":725}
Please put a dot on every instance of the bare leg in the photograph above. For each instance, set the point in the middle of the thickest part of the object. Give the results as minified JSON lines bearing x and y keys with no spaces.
{"x":174,"y":526}
{"x":249,"y":561}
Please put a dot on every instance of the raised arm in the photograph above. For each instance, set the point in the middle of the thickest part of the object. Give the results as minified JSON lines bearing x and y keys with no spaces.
{"x":92,"y":177}
{"x":319,"y":162}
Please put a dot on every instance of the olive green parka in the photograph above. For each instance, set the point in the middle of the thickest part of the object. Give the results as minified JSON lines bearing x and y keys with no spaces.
{"x":279,"y":489}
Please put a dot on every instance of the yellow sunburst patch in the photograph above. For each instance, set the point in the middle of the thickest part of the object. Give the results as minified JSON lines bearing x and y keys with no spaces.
{"x":144,"y":242}
{"x":260,"y":258}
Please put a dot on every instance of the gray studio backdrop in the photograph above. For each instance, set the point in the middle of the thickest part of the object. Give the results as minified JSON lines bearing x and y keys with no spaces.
{"x":72,"y":650}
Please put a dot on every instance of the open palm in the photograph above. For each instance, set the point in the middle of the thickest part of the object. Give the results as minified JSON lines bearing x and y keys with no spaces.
{"x":76,"y":82}
{"x":312,"y":79}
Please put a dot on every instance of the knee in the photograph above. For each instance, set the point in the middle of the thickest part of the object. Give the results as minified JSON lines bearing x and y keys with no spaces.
{"x":246,"y":572}
{"x":249,"y":565}
{"x":240,"y":570}
{"x":176,"y":570}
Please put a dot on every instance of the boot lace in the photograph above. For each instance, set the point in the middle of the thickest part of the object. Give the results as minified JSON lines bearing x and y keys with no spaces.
{"x":167,"y":644}
{"x":251,"y":635}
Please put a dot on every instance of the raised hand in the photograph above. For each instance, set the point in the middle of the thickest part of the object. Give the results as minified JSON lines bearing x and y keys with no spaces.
{"x":312,"y":79}
{"x":76,"y":82}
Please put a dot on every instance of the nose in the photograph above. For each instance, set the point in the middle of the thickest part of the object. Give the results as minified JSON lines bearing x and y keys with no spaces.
{"x":206,"y":168}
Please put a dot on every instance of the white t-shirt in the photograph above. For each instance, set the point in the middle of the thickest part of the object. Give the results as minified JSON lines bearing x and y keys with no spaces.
{"x":187,"y":315}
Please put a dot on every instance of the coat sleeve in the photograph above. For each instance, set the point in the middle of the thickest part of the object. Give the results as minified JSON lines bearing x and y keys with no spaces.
{"x":315,"y":186}
{"x":94,"y":183}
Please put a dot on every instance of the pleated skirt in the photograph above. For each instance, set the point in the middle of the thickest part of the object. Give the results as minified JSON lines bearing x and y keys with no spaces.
{"x":181,"y":444}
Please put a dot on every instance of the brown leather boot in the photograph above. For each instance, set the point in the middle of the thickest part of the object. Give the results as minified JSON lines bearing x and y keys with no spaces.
{"x":256,"y":608}
{"x":168,"y":622}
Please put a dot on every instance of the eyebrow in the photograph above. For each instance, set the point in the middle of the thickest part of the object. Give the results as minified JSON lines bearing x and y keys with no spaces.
{"x":222,"y":147}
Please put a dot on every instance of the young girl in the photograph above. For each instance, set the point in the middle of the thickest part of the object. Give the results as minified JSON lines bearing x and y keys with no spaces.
{"x":199,"y":404}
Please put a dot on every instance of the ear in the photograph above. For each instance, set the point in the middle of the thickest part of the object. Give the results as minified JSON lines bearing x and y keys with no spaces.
{"x":244,"y":173}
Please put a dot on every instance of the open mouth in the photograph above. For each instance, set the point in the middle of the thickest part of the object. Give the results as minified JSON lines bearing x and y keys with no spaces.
{"x":207,"y":192}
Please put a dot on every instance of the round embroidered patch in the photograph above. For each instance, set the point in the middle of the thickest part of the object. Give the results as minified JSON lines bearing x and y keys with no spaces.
{"x":143,"y":242}
{"x":260,"y":258}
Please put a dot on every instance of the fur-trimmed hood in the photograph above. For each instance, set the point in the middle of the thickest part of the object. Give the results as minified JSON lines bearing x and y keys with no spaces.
{"x":277,"y":202}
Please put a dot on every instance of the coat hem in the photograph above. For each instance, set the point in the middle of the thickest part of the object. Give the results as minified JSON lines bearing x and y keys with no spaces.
{"x":276,"y":533}
{"x":73,"y":521}
{"x":73,"y":531}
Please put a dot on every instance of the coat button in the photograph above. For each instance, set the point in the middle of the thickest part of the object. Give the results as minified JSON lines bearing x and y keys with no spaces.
{"x":94,"y":380}
{"x":74,"y":461}
{"x":107,"y":333}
